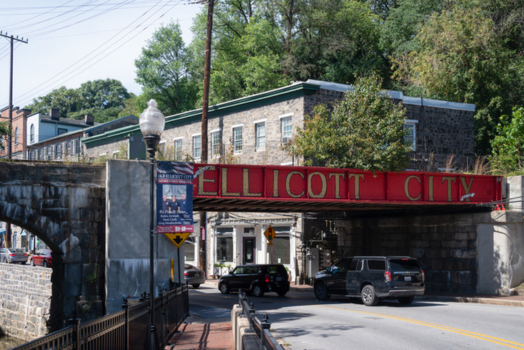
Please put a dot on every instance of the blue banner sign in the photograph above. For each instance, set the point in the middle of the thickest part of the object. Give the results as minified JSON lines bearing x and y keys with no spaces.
{"x":174,"y":197}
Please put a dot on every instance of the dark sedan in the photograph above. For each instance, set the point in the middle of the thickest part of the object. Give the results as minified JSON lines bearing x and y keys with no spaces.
{"x":41,"y":258}
{"x":194,"y":276}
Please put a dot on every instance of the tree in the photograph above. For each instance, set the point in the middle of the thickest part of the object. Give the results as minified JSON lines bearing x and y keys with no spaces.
{"x":162,"y":70}
{"x":460,"y":59}
{"x":364,"y":131}
{"x":104,"y":99}
{"x":508,"y":145}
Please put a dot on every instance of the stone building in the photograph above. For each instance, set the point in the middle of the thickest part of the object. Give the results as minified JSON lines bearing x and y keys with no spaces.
{"x":253,"y":130}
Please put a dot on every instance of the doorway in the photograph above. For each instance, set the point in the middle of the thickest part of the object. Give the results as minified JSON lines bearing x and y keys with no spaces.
{"x":248,"y":251}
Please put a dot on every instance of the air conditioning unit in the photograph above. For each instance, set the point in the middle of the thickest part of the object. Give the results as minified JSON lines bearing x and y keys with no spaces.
{"x":286,"y":140}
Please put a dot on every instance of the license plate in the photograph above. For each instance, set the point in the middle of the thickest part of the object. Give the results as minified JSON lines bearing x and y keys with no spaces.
{"x":407,"y":278}
{"x":279,"y":279}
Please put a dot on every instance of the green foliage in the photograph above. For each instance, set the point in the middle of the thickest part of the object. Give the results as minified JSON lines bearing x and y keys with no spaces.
{"x":162,"y":70}
{"x":508,"y":145}
{"x":364,"y":131}
{"x":104,"y":99}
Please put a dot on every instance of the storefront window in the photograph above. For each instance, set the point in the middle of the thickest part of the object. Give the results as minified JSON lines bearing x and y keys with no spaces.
{"x":224,"y":244}
{"x":282,"y":246}
{"x":189,"y":249}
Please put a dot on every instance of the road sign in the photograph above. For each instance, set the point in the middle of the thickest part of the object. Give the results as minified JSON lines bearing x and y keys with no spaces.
{"x":270,"y":234}
{"x":178,"y":238}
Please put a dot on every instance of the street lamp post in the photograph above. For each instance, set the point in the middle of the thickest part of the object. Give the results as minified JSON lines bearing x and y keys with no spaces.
{"x":152,"y":123}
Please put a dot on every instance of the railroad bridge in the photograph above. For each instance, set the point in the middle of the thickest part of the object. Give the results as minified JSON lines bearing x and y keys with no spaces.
{"x":95,"y":220}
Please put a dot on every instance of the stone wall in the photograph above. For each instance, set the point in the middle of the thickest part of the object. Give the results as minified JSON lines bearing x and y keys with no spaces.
{"x":25,"y":300}
{"x":106,"y":150}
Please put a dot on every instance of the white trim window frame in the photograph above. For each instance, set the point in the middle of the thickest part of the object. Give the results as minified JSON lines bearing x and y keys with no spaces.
{"x":197,"y":146}
{"x":115,"y":154}
{"x":237,"y":139}
{"x":286,"y":127}
{"x":162,"y":147}
{"x":411,"y":126}
{"x":177,"y":148}
{"x":260,"y":136}
{"x":215,"y":143}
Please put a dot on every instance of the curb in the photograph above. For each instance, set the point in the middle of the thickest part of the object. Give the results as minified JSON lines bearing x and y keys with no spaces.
{"x":490,"y":301}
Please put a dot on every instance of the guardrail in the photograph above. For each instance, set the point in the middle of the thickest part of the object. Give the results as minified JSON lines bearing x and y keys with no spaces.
{"x":261,"y":328}
{"x":124,"y":330}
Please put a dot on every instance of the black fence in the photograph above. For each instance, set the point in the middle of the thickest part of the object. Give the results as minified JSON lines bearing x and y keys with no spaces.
{"x":124,"y":330}
{"x":261,"y":328}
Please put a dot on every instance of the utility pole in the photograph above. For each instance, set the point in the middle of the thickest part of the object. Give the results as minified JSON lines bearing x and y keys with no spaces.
{"x":205,"y":105}
{"x":10,"y":126}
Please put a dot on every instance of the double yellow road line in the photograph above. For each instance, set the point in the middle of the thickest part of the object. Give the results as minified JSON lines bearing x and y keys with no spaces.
{"x":480,"y":336}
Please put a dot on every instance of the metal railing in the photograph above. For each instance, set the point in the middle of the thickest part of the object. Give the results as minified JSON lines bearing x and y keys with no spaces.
{"x":124,"y":330}
{"x":261,"y":328}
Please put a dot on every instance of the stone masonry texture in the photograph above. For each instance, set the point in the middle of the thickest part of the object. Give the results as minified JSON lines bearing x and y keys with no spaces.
{"x":64,"y":205}
{"x":25,"y":300}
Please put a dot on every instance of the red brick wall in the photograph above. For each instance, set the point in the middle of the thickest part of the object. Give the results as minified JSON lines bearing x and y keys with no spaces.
{"x":20,"y":122}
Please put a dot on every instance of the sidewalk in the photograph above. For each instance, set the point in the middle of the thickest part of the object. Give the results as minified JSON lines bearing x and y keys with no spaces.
{"x":220,"y":336}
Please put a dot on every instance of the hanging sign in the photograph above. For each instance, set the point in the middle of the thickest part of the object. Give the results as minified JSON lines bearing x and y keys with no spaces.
{"x":177,"y":238}
{"x":270,"y":234}
{"x":174,"y":197}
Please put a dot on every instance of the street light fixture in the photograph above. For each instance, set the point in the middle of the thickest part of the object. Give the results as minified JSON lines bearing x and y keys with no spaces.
{"x":152,"y":123}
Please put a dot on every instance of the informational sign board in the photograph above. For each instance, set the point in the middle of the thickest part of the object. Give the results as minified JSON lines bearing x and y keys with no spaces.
{"x":270,"y":234}
{"x":175,"y":197}
{"x":177,"y":238}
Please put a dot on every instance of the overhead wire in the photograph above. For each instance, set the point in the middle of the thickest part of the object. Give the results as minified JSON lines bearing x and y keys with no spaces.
{"x":44,"y":87}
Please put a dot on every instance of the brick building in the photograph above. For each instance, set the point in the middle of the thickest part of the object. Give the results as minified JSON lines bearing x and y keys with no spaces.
{"x":18,"y":144}
{"x":252,"y":130}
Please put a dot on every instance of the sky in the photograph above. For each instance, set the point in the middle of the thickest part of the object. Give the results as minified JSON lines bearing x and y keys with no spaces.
{"x":73,"y":41}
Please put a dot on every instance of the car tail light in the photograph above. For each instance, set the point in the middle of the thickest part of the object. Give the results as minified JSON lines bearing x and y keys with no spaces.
{"x":267,"y":279}
{"x":25,"y":254}
{"x":12,"y":254}
{"x":186,"y":273}
{"x":423,"y":276}
{"x":387,"y":276}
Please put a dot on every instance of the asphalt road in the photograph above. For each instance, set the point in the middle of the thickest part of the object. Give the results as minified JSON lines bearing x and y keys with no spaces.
{"x":305,"y":323}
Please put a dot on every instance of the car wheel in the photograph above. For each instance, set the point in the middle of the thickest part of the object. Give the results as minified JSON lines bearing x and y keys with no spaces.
{"x":5,"y":260}
{"x":321,"y":291}
{"x":224,"y":288}
{"x":281,"y":293}
{"x":45,"y":263}
{"x":406,"y":300}
{"x":369,"y":298}
{"x":196,"y":285}
{"x":257,"y":291}
{"x":32,"y":263}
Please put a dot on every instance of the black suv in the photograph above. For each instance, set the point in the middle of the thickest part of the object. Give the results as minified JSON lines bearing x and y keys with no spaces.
{"x":257,"y":279}
{"x":372,"y":278}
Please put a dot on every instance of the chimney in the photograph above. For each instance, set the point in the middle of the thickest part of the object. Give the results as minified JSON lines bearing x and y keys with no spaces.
{"x":89,"y":119}
{"x":54,"y":113}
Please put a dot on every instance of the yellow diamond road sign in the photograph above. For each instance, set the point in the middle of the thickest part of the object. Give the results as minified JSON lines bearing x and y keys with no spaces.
{"x":178,"y":238}
{"x":270,"y":234}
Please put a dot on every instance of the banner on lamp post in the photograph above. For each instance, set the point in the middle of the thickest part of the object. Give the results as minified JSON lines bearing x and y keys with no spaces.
{"x":174,"y":197}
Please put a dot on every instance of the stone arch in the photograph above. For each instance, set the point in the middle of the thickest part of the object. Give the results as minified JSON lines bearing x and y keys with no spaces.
{"x":64,"y":205}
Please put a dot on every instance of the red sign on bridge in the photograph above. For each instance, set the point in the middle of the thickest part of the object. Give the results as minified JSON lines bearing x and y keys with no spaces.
{"x":337,"y":188}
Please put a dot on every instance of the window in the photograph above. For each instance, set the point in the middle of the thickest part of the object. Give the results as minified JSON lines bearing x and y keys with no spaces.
{"x":33,"y":155}
{"x":215,"y":143}
{"x":16,"y":136}
{"x":377,"y":265}
{"x":282,"y":245}
{"x":197,"y":146}
{"x":58,"y":151}
{"x":260,"y":132}
{"x":237,"y":139}
{"x":286,"y":129}
{"x":40,"y":154}
{"x":115,"y":154}
{"x":162,"y":148}
{"x":189,"y":249}
{"x":411,"y":136}
{"x":61,"y":131}
{"x":32,"y":133}
{"x":224,"y":244}
{"x":49,"y":152}
{"x":178,"y":149}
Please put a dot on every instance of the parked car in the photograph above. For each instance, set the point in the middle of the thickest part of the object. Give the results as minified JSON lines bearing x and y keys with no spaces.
{"x":194,"y":276}
{"x":41,"y":258}
{"x":257,"y":279}
{"x":372,"y":278}
{"x":13,"y":255}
